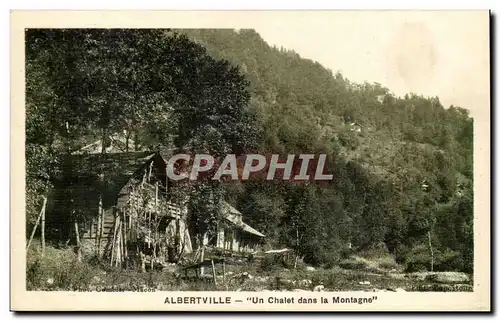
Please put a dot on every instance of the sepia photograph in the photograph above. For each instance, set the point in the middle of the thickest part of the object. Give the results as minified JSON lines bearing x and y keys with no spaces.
{"x":300,"y":161}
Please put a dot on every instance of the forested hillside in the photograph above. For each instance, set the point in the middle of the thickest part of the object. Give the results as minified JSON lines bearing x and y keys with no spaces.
{"x":403,"y":166}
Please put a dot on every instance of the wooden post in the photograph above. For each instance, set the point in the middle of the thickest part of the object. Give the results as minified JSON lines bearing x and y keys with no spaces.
{"x":156,"y":197}
{"x":78,"y":247}
{"x":213,"y":273}
{"x":232,"y":240}
{"x":224,"y":271}
{"x":153,"y":255}
{"x":43,"y":224}
{"x":99,"y":227}
{"x":150,"y":171}
{"x":120,"y":243}
{"x":114,"y":241}
{"x":177,"y":236}
{"x":125,"y":238}
{"x":432,"y":251}
{"x":37,"y":222}
{"x":143,"y":262}
{"x":202,"y":256}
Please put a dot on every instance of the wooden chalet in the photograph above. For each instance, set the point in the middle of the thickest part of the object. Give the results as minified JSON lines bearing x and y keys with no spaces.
{"x":118,"y":205}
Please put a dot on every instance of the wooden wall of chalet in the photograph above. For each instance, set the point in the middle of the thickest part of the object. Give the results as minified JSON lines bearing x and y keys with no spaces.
{"x":232,"y":238}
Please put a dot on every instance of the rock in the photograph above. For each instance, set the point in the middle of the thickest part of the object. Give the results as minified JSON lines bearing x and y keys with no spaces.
{"x":400,"y":290}
{"x":243,"y":276}
{"x":420,"y":276}
{"x":50,"y":281}
{"x":262,"y":278}
{"x":378,"y":290}
{"x":238,"y":290}
{"x":305,"y":283}
{"x":310,"y":269}
{"x":447,"y":277}
{"x":364,"y":283}
{"x":319,"y":288}
{"x":397,"y":276}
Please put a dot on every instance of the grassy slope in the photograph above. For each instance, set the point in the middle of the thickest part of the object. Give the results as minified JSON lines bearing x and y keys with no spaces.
{"x":60,"y":270}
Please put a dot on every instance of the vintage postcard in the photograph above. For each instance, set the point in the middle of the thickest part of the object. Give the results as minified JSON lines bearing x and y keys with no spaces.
{"x":250,"y":161}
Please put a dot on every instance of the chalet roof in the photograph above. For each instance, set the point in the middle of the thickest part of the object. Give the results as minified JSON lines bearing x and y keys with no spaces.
{"x":234,"y":216}
{"x":88,"y":174}
{"x":117,"y":144}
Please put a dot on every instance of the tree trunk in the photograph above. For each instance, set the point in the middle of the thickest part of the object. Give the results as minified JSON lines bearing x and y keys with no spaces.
{"x":136,"y":143}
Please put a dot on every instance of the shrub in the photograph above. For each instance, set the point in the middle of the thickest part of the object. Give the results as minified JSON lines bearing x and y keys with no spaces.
{"x":386,"y":263}
{"x":348,"y":140}
{"x":271,"y":263}
{"x":419,"y":259}
{"x":354,"y":264}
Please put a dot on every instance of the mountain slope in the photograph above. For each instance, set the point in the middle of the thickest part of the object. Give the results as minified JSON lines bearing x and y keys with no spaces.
{"x":403,"y":164}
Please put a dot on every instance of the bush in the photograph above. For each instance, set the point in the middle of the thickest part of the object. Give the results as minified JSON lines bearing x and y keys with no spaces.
{"x":271,"y":263}
{"x":348,"y":140}
{"x":386,"y":263}
{"x":354,"y":264}
{"x":419,"y":260}
{"x":448,"y":260}
{"x":333,"y":279}
{"x":375,"y":251}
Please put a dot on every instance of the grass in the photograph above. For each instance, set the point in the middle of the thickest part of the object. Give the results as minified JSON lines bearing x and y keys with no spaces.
{"x":59,"y":269}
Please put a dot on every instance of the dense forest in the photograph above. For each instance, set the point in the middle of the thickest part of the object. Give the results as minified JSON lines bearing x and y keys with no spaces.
{"x":402,"y":166}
